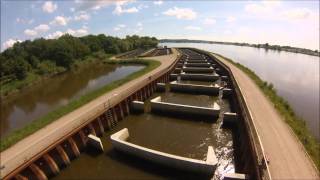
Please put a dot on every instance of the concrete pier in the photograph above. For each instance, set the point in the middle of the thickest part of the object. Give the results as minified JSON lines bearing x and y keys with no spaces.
{"x":158,"y":106}
{"x":118,"y":140}
{"x":194,"y":88}
{"x":137,"y":106}
{"x":161,"y":87}
{"x":95,"y":142}
{"x":230,"y":118}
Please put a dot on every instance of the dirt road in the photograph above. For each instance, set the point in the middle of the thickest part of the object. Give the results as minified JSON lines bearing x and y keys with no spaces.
{"x":37,"y":142}
{"x":288,"y":158}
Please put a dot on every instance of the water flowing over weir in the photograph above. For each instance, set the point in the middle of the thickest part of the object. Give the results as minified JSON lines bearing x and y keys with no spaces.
{"x":180,"y":113}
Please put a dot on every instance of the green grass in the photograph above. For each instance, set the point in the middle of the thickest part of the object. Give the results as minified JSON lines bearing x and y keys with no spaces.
{"x":63,"y":110}
{"x":296,"y":123}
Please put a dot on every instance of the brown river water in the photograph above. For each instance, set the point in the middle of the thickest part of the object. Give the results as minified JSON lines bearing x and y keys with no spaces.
{"x":35,"y":102}
{"x":183,"y":136}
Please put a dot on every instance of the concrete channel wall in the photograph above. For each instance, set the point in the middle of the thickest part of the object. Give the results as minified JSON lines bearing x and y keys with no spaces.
{"x":56,"y":147}
{"x":158,"y":106}
{"x":118,"y":140}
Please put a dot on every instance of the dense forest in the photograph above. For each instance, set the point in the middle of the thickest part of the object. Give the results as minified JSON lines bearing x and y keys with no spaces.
{"x":44,"y":56}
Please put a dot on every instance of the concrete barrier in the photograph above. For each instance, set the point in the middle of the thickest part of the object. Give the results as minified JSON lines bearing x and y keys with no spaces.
{"x":226,"y":92}
{"x":158,"y":106}
{"x":198,"y":70}
{"x":198,"y":65}
{"x":161,"y":87}
{"x":196,"y":61}
{"x":235,"y":176}
{"x":137,"y":106}
{"x":195,"y":88}
{"x":118,"y":141}
{"x":230,"y":118}
{"x":173,"y":77}
{"x":95,"y":142}
{"x":200,"y":77}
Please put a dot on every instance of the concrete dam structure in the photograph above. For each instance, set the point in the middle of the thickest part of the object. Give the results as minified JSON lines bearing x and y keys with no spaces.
{"x":200,"y":77}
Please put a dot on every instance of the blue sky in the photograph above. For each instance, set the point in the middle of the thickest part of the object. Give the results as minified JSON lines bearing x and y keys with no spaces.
{"x":294,"y":23}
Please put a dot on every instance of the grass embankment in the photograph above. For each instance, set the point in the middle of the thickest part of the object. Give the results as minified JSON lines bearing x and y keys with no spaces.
{"x":63,"y":110}
{"x":32,"y":78}
{"x":296,"y":123}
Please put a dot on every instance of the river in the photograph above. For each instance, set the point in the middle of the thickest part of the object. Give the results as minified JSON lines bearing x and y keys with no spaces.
{"x":37,"y":101}
{"x":294,"y":76}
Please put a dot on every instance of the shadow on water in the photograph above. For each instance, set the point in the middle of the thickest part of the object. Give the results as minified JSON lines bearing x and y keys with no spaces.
{"x":152,"y":168}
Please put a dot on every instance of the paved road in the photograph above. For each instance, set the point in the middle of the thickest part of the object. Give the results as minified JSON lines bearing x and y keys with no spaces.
{"x":288,"y":158}
{"x":32,"y":145}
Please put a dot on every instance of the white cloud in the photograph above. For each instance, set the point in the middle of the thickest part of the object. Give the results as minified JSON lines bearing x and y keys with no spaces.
{"x":119,"y":27}
{"x":82,"y":16}
{"x":120,"y":9}
{"x":158,"y":2}
{"x":30,"y":32}
{"x":139,"y":24}
{"x":181,"y":13}
{"x":72,"y":9}
{"x":54,"y":35}
{"x":77,"y":32}
{"x":42,"y":28}
{"x":49,"y":7}
{"x":92,"y":5}
{"x":193,"y":28}
{"x":209,"y":21}
{"x":230,"y":19}
{"x":24,"y":21}
{"x":9,"y":43}
{"x":60,"y":20}
{"x":262,"y":7}
{"x":298,"y":13}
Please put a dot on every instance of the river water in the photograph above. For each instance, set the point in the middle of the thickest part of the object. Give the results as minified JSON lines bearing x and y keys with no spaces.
{"x":37,"y":101}
{"x":183,"y":136}
{"x":294,"y":76}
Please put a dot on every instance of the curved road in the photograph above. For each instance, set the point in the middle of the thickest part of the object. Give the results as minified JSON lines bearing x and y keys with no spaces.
{"x":288,"y":158}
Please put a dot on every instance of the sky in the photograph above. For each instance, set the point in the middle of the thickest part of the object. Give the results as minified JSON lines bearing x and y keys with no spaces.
{"x":293,"y":23}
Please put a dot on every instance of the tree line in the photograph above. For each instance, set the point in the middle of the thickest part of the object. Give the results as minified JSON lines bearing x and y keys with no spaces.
{"x":43,"y":56}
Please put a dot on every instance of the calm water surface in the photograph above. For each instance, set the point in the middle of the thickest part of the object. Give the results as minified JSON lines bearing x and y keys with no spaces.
{"x":37,"y":101}
{"x":295,"y":76}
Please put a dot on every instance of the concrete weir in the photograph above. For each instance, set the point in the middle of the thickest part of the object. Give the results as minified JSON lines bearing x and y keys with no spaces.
{"x":158,"y":106}
{"x":119,"y":141}
{"x":207,"y":65}
{"x":194,"y":88}
{"x":198,"y":69}
{"x":199,"y":77}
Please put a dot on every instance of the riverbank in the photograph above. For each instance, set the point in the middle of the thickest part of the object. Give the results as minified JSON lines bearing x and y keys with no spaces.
{"x":296,"y":123}
{"x":13,"y":88}
{"x":59,"y":112}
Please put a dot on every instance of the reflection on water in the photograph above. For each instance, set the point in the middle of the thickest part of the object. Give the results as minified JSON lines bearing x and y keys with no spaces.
{"x":295,"y":76}
{"x":37,"y":101}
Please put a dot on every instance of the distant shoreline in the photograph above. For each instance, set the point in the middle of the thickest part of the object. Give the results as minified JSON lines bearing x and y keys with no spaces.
{"x":265,"y":46}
